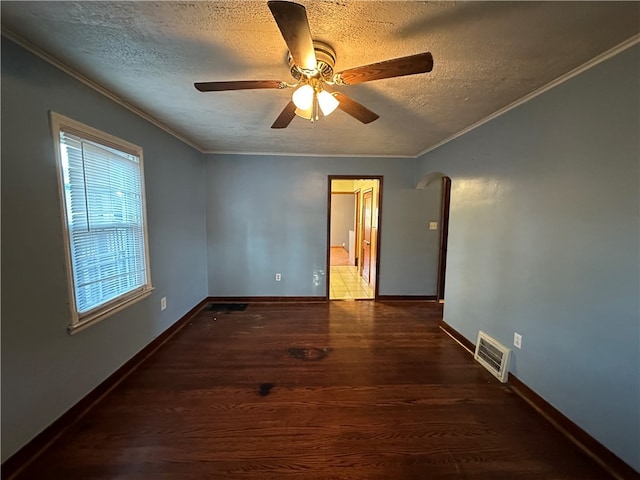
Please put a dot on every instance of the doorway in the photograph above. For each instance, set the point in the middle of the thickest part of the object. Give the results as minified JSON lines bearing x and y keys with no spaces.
{"x":353,"y":237}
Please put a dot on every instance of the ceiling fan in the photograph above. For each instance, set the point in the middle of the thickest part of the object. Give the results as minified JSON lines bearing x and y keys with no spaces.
{"x":311,"y":63}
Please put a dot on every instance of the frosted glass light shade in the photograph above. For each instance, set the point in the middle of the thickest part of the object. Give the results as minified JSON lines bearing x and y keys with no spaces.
{"x":306,"y":114}
{"x":328,"y":103}
{"x":303,"y":97}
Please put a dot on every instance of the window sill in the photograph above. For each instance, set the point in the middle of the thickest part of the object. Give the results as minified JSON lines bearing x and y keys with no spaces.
{"x":99,"y":316}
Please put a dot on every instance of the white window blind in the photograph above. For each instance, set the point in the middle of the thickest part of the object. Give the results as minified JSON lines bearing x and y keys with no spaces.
{"x":105,"y":215}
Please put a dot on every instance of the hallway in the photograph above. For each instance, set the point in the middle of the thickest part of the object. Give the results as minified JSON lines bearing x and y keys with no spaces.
{"x":346,"y":284}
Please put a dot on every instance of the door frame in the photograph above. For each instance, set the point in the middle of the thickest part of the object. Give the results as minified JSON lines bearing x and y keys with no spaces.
{"x":363,"y":221}
{"x":445,"y":203}
{"x":358,"y":223}
{"x":378,"y":218}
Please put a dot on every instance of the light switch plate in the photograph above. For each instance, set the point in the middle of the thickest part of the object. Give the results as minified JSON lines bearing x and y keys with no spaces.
{"x":433,"y":225}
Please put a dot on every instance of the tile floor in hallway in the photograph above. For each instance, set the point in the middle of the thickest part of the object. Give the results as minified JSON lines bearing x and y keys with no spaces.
{"x":346,"y":284}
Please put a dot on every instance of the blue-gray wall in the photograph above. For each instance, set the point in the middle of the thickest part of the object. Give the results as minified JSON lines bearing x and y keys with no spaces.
{"x":44,"y":370}
{"x":544,"y":241}
{"x":268,"y":215}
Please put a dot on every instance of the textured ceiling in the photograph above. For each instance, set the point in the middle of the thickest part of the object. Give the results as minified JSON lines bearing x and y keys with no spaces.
{"x":487,"y":55}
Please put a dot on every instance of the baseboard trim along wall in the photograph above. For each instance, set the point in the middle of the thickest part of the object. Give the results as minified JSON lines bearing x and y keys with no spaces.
{"x":617,"y":467}
{"x":457,"y":336}
{"x":406,"y":298}
{"x":309,"y":299}
{"x":601,"y":454}
{"x":29,"y":452}
{"x":315,"y":299}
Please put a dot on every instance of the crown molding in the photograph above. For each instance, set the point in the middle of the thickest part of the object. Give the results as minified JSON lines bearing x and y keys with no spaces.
{"x":634,"y":40}
{"x":558,"y":81}
{"x":93,"y":85}
{"x":317,"y":155}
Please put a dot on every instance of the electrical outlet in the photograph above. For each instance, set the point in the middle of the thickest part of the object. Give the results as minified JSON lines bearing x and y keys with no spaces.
{"x":433,"y":225}
{"x":163,"y":303}
{"x":278,"y":277}
{"x":517,"y":340}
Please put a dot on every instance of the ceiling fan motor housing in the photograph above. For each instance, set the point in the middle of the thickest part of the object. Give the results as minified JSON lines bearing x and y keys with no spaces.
{"x":325,"y":61}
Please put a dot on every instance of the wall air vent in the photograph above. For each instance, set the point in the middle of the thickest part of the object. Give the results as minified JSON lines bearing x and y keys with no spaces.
{"x":493,"y":356}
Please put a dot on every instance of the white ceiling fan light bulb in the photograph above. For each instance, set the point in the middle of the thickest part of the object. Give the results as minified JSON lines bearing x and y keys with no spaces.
{"x":328,"y":103}
{"x":303,"y":97}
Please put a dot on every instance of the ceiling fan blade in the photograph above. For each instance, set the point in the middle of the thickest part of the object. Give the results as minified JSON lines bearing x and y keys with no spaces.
{"x":356,"y":110}
{"x":285,"y":117}
{"x":398,"y":67}
{"x":237,"y":85}
{"x":294,"y":27}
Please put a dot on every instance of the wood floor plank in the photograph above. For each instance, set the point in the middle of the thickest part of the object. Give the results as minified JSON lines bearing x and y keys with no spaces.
{"x":339,"y":390}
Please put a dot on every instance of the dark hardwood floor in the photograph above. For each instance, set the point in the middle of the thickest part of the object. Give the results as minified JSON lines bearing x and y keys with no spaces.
{"x":340,"y":390}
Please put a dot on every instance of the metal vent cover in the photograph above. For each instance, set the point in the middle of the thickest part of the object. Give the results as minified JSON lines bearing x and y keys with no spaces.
{"x":492,"y":355}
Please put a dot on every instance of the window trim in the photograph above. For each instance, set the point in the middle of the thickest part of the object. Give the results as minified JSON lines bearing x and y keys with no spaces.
{"x":81,"y":321}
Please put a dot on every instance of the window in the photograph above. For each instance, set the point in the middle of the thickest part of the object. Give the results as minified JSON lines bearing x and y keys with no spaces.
{"x":102,"y":192}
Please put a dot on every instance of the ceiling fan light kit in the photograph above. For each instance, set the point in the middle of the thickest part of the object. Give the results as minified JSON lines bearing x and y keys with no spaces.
{"x":328,"y":103}
{"x":311,"y":98}
{"x":303,"y":97}
{"x":311,"y":64}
